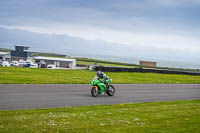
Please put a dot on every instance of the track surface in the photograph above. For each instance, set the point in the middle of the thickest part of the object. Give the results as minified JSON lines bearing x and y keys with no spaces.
{"x":47,"y":96}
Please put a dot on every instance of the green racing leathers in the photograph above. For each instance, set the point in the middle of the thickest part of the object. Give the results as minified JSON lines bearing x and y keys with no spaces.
{"x":104,"y":80}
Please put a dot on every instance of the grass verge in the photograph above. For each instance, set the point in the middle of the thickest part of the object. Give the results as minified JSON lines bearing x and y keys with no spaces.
{"x":173,"y":116}
{"x":14,"y":75}
{"x":105,"y":64}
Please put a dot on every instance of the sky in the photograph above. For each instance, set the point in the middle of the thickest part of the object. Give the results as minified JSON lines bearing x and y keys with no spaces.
{"x":165,"y":25}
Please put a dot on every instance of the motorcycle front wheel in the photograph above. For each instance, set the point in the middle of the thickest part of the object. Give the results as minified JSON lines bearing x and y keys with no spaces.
{"x":111,"y":90}
{"x":94,"y":91}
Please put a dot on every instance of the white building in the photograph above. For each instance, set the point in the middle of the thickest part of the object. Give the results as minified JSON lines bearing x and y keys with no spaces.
{"x":58,"y":62}
{"x":5,"y":56}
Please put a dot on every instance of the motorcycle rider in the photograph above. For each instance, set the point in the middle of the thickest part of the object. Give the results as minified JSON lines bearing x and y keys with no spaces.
{"x":103,"y":77}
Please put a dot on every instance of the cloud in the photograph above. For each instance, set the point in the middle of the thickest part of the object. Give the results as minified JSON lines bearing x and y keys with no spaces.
{"x":176,"y":2}
{"x":167,"y":25}
{"x":166,"y":42}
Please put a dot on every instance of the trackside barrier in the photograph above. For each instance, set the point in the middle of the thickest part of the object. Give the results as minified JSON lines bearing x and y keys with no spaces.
{"x":144,"y":70}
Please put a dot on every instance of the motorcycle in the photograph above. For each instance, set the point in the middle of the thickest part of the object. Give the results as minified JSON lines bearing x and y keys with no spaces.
{"x":99,"y":87}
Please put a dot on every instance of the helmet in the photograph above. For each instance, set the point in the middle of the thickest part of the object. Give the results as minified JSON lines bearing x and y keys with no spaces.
{"x":100,"y":74}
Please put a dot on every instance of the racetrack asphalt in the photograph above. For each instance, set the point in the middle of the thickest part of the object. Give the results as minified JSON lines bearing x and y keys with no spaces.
{"x":30,"y":96}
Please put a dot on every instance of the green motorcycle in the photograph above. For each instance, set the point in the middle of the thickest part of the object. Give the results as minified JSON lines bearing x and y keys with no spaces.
{"x":99,"y":87}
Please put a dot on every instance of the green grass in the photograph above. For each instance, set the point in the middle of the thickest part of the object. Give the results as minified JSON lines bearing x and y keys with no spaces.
{"x":105,"y":64}
{"x":104,"y":61}
{"x":14,"y":75}
{"x":154,"y":117}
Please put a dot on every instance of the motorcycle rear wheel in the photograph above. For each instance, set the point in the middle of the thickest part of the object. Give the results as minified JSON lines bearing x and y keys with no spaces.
{"x":111,"y":90}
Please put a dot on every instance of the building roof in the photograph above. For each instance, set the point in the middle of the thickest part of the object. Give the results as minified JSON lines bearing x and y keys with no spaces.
{"x":4,"y":53}
{"x":22,"y":46}
{"x":52,"y":58}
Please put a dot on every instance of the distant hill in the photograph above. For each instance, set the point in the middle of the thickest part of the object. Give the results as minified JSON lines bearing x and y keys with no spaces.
{"x":53,"y":43}
{"x":5,"y":50}
{"x":48,"y":54}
